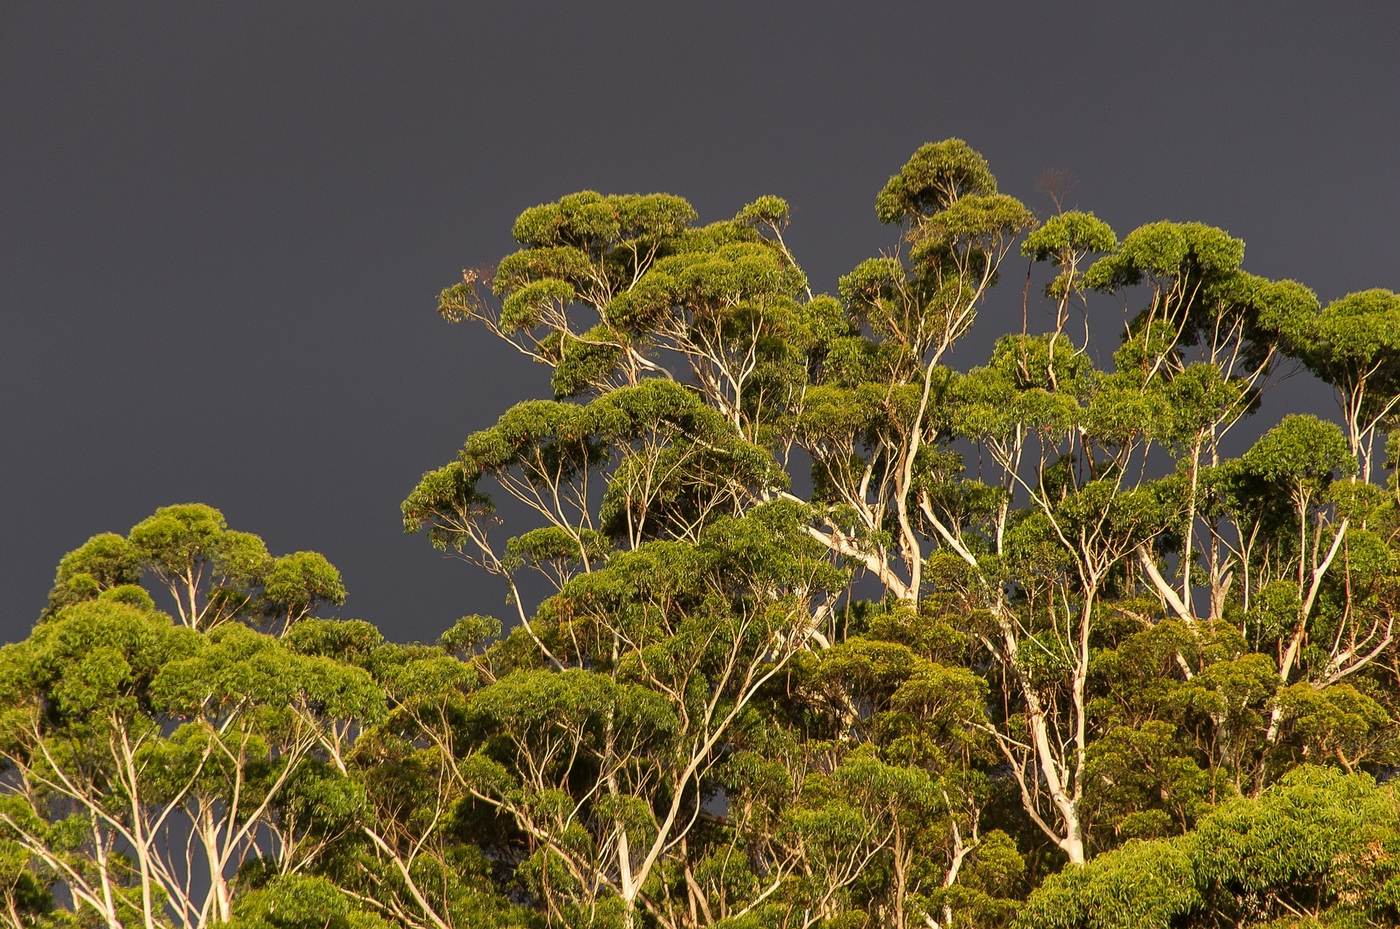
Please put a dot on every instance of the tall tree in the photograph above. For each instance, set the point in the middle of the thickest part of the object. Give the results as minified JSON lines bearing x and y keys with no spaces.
{"x":809,"y":626}
{"x":695,"y":370}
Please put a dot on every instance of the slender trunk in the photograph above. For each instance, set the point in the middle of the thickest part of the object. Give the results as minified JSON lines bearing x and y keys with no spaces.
{"x":218,"y":884}
{"x":109,"y":905}
{"x":1071,"y":840}
{"x":1290,"y":654}
{"x":1188,"y":546}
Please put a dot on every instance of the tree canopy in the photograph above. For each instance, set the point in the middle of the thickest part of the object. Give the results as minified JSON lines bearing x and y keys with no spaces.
{"x":805,"y":627}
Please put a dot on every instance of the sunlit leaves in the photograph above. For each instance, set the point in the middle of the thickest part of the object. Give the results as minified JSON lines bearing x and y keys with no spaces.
{"x":1071,"y":232}
{"x":1084,"y":620}
{"x":934,"y":178}
{"x":1167,"y":250}
{"x":1300,"y":454}
{"x":1143,"y":884}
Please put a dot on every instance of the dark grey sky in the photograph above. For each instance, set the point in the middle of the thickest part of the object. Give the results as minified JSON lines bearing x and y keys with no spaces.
{"x":222,"y":226}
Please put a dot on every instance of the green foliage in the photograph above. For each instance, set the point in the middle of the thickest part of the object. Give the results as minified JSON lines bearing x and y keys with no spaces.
{"x":1355,"y":333}
{"x":306,"y":902}
{"x":298,"y":583}
{"x":1067,"y":234}
{"x":1032,"y":647}
{"x":1165,"y":251}
{"x":213,"y":574}
{"x":934,"y":178}
{"x":1320,"y":846}
{"x":104,"y":562}
{"x":1300,"y":453}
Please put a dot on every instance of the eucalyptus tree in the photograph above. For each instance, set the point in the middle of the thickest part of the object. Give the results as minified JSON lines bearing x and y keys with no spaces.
{"x":684,"y":362}
{"x":1104,"y":532}
{"x":146,"y":762}
{"x":1033,"y":626}
{"x":381,"y":818}
{"x":213,"y":574}
{"x":1354,"y":345}
{"x":678,"y":465}
{"x":1033,"y":623}
{"x":1318,"y":848}
{"x":870,"y":418}
{"x":103,"y":563}
{"x":241,"y":761}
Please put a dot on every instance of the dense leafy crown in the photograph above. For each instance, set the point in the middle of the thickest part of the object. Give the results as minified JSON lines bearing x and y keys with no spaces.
{"x":807,"y":626}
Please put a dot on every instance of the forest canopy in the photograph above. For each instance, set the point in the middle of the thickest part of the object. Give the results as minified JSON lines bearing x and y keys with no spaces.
{"x":805,"y":626}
